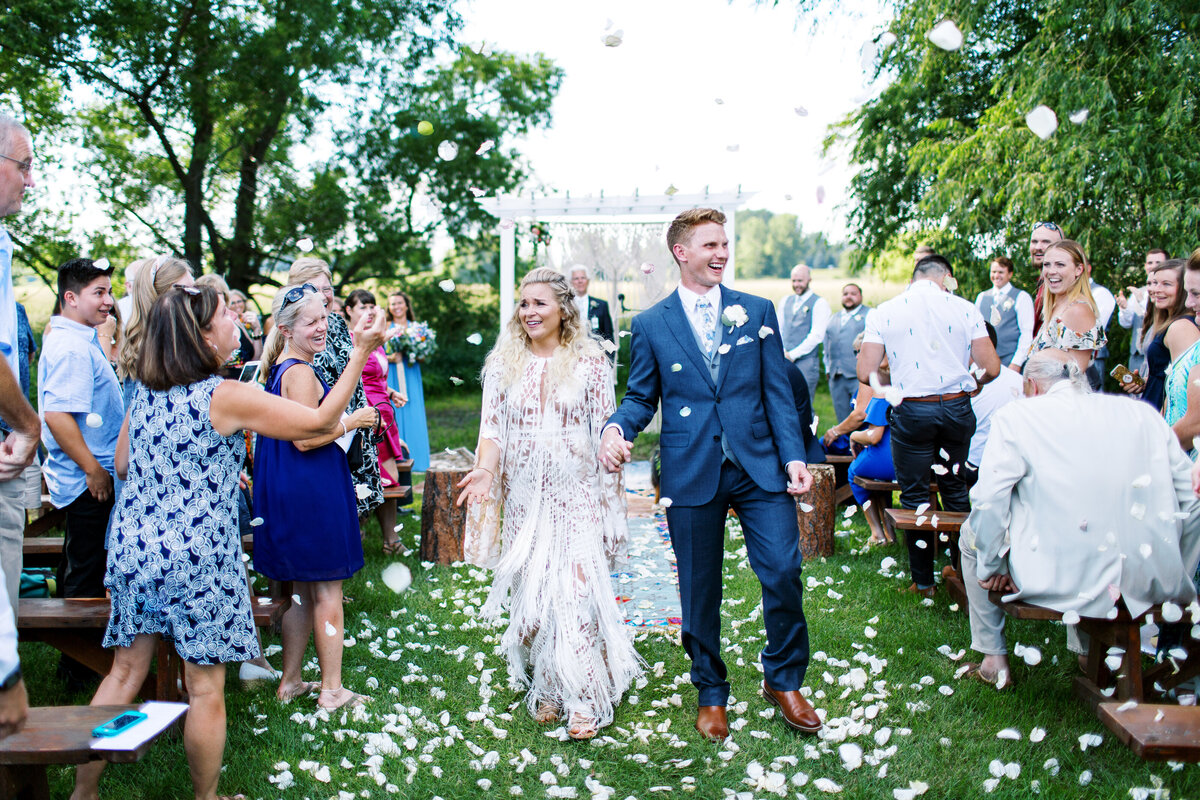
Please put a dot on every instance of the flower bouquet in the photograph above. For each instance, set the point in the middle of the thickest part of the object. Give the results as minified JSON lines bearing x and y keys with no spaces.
{"x":416,"y":342}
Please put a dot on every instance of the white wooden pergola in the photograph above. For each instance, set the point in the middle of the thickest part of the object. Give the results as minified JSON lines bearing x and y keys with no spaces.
{"x":600,"y":210}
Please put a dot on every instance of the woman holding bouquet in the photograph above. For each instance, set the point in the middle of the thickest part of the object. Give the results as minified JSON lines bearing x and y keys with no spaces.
{"x":408,"y":342}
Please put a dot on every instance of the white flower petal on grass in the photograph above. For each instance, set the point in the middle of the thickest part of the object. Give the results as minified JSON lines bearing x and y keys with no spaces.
{"x":397,"y":577}
{"x":1009,"y":733}
{"x":1033,"y":657}
{"x":1037,"y":734}
{"x":946,"y":35}
{"x":869,"y":632}
{"x":826,"y":785}
{"x":1090,"y":740}
{"x":446,"y":285}
{"x":94,"y":420}
{"x":475,"y":339}
{"x":329,"y":629}
{"x":305,"y":245}
{"x":1085,"y":777}
{"x":686,"y":411}
{"x":1042,"y":121}
{"x":851,"y":755}
{"x":1079,"y":117}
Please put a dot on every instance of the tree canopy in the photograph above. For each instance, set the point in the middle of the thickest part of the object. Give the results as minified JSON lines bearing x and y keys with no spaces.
{"x":945,"y":154}
{"x":770,"y":245}
{"x":229,"y":132}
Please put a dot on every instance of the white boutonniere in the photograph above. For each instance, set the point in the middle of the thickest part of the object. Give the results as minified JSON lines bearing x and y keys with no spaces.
{"x":734,"y":316}
{"x":1009,"y":304}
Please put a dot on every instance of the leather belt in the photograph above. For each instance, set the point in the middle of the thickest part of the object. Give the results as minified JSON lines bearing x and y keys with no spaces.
{"x":936,"y":398}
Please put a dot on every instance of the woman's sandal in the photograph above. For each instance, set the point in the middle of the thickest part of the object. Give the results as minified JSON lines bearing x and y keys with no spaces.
{"x":547,"y":712}
{"x":392,"y":548}
{"x":353,"y":701}
{"x":300,"y":690}
{"x":582,"y":727}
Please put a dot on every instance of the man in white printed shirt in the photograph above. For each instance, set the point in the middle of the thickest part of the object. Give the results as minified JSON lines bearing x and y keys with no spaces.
{"x":803,"y":318}
{"x":930,"y":338}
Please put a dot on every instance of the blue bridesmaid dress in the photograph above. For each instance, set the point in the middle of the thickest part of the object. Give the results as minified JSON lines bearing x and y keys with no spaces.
{"x":410,"y":419}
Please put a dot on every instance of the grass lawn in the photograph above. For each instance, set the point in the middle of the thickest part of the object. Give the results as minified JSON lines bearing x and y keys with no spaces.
{"x":443,"y":722}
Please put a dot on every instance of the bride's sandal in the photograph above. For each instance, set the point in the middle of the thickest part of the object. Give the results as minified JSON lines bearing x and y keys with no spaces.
{"x":547,"y":712}
{"x":582,"y":727}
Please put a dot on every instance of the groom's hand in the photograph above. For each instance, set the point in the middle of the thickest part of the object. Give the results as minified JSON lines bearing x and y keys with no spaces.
{"x":799,"y":478}
{"x":614,"y":450}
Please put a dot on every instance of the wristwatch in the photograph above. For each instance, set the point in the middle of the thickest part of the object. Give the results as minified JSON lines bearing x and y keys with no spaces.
{"x":12,"y":680}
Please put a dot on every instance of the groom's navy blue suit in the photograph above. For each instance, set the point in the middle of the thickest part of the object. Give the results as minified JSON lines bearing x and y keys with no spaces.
{"x":728,"y":449}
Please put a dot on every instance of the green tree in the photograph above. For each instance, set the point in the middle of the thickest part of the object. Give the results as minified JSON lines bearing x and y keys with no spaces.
{"x":770,"y":245}
{"x":944,"y":151}
{"x":192,"y":118}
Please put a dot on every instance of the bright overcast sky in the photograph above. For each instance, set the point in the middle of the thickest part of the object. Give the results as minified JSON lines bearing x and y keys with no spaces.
{"x":645,"y":115}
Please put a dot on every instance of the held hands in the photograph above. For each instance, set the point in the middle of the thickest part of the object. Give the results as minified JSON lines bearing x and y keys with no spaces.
{"x":368,"y":333}
{"x":475,"y":485}
{"x":799,"y":478}
{"x":614,"y":450}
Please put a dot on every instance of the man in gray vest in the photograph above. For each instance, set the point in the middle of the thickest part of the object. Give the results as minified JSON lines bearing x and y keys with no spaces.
{"x":1133,"y":309}
{"x":840,"y":359}
{"x":803,"y":317}
{"x":1010,"y":310}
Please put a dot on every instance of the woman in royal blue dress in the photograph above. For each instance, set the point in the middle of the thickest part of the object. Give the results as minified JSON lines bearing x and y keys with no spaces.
{"x":306,"y":498}
{"x":175,"y":555}
{"x":404,"y":375}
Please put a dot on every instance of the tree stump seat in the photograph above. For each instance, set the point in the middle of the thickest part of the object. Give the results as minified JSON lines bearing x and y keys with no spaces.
{"x":816,"y":526}
{"x":442,"y":522}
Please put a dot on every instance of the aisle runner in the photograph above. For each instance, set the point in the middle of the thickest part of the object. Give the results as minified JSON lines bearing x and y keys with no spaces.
{"x":648,"y":585}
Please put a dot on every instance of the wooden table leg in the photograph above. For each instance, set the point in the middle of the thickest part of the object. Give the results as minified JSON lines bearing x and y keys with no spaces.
{"x":24,"y":782}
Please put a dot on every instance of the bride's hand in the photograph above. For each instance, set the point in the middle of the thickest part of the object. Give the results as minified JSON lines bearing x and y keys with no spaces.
{"x":475,"y":485}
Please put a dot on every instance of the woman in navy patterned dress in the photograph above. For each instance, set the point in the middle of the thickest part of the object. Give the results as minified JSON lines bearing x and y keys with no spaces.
{"x":174,"y":557}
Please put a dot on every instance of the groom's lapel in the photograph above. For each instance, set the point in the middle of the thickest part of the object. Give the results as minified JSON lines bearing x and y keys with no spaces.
{"x":681,"y":329}
{"x":729,"y":335}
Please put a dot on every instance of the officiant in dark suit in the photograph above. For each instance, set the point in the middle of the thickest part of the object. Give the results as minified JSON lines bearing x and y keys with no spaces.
{"x":730,"y":438}
{"x":593,"y":309}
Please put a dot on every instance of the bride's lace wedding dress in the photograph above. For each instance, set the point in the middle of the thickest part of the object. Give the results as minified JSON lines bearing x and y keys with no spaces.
{"x":563,"y":526}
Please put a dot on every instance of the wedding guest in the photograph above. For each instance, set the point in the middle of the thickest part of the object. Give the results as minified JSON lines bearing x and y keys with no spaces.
{"x":1132,"y":311}
{"x":1049,"y":493}
{"x":304,"y":494}
{"x":1168,"y":330}
{"x":834,"y":440}
{"x":1071,"y":318}
{"x":840,"y":354}
{"x":175,"y":569}
{"x":108,"y":333}
{"x":249,"y":329}
{"x":1182,"y":409}
{"x":874,"y":460}
{"x":330,"y":363}
{"x":390,"y":449}
{"x":548,"y":388}
{"x":592,"y":310}
{"x":80,"y":401}
{"x":1010,"y":311}
{"x":991,"y":398}
{"x":404,"y":376}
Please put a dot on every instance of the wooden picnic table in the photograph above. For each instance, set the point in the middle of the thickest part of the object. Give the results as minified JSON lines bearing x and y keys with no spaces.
{"x":59,"y":735}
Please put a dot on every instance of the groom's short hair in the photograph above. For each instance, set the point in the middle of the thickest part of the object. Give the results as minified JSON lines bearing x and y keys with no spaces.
{"x":681,"y":227}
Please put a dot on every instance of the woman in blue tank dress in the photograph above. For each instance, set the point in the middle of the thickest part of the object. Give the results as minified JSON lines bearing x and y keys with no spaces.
{"x":175,"y":557}
{"x":306,"y":498}
{"x":405,"y":378}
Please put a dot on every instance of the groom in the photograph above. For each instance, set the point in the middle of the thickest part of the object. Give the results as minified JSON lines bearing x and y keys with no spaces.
{"x":730,"y":439}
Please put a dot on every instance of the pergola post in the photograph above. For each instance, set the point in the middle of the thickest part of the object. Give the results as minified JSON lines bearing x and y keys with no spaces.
{"x":508,"y":271}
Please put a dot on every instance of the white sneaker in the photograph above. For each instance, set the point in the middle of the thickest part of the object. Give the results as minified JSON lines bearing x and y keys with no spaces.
{"x":251,"y":674}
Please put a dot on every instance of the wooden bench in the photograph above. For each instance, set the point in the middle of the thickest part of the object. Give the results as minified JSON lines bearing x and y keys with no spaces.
{"x":75,"y":627}
{"x":841,"y":465}
{"x":45,"y":519}
{"x":59,"y":735}
{"x":907,"y":519}
{"x":1156,"y":732}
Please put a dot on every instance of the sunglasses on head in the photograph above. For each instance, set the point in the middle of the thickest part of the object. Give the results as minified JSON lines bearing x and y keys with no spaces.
{"x":296,"y":295}
{"x":1049,"y":225}
{"x":191,"y":291}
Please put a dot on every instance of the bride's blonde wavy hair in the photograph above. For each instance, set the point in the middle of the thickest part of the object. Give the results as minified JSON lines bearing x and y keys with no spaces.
{"x":512,"y":352}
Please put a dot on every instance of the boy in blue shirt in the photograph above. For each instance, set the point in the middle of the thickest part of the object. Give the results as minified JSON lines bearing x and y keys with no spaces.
{"x":81,"y":405}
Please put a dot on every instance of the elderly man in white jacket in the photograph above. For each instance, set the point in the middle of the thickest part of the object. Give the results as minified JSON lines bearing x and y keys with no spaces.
{"x":1082,"y":499}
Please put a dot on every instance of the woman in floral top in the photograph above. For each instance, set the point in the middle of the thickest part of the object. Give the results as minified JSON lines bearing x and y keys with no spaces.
{"x":1069,"y":309}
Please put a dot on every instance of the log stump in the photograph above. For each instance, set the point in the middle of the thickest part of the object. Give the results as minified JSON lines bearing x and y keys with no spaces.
{"x":816,"y":526}
{"x":442,"y":522}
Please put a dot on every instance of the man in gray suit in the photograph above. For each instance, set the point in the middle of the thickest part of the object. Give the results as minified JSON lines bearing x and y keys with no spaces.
{"x":803,"y":318}
{"x":840,"y":358}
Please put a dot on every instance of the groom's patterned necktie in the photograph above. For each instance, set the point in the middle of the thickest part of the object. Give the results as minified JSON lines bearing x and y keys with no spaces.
{"x":708,"y":323}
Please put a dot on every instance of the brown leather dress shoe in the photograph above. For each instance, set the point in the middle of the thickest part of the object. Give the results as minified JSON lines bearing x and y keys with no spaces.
{"x":712,"y":723}
{"x":913,"y":589}
{"x":797,"y":713}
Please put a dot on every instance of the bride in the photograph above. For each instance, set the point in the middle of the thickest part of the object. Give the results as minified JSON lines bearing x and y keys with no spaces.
{"x":547,"y":391}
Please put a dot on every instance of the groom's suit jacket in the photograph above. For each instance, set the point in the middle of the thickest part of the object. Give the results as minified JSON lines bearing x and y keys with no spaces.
{"x":750,"y":403}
